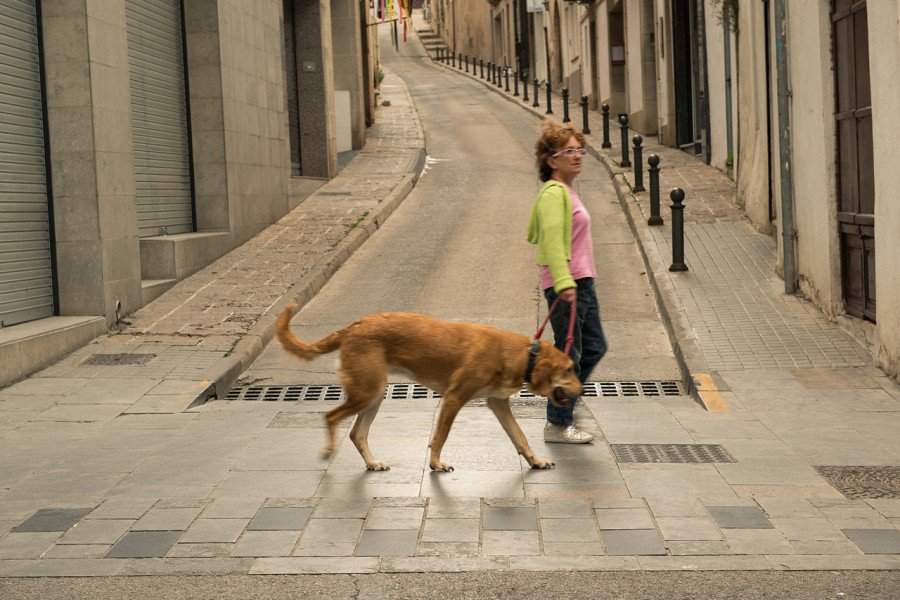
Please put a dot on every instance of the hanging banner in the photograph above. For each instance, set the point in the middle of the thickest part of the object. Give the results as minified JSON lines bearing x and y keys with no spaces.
{"x":535,"y":6}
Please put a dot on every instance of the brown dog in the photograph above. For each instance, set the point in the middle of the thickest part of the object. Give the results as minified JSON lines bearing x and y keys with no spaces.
{"x":459,"y":360}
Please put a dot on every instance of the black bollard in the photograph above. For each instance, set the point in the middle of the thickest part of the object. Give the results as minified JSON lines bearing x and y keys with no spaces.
{"x":623,"y":124}
{"x":549,"y":99}
{"x":605,"y":110}
{"x":584,"y":116}
{"x":500,"y":77}
{"x":653,"y":173}
{"x":481,"y":61}
{"x":524,"y":90}
{"x":515,"y":84}
{"x":638,"y":164}
{"x":677,"y":197}
{"x":490,"y":74}
{"x":453,"y":59}
{"x":565,"y":101}
{"x":506,"y":77}
{"x":536,"y":93}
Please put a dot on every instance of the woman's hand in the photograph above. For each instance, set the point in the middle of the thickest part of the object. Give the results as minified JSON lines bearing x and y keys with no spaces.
{"x":568,"y":295}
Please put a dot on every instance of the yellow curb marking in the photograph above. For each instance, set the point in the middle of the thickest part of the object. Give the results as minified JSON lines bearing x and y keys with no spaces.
{"x":709,"y":393}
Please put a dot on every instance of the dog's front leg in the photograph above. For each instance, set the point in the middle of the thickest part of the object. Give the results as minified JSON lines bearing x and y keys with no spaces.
{"x":449,"y":409}
{"x":501,"y":409}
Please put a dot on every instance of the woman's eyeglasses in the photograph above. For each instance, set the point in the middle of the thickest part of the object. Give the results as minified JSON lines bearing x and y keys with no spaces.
{"x":570,"y":152}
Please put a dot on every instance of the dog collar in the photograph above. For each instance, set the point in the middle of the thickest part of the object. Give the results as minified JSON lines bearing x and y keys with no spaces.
{"x":532,"y":358}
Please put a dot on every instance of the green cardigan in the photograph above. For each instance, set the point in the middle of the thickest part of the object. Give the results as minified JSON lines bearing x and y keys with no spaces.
{"x":550,"y":229}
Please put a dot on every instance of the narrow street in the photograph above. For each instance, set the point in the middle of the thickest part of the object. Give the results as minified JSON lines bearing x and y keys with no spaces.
{"x":199,"y":502}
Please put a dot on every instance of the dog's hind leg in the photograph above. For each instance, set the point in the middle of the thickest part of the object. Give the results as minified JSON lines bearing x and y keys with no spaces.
{"x":359,"y":435}
{"x":501,"y":409}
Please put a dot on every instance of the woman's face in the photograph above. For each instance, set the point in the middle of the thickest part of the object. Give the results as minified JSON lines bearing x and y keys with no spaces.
{"x":566,"y":161}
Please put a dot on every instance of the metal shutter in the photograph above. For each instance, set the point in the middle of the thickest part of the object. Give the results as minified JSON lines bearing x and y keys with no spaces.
{"x":26,"y":276}
{"x":162,"y":167}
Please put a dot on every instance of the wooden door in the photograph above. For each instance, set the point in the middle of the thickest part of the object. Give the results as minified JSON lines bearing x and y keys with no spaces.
{"x":855,"y":174}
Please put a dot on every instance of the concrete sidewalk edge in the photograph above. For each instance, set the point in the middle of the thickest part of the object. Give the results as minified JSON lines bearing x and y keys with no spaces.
{"x":670,"y":309}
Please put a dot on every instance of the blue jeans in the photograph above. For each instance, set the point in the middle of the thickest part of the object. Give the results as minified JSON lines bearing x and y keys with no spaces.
{"x":589,"y":344}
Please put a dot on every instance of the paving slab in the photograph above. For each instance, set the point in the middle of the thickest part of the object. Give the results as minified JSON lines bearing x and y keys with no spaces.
{"x":508,"y":518}
{"x":52,"y":519}
{"x":97,"y":531}
{"x":510,"y":543}
{"x":875,"y":541}
{"x":757,"y":541}
{"x":633,"y":542}
{"x":266,"y":543}
{"x":26,"y":545}
{"x":144,"y":544}
{"x":279,"y":519}
{"x":688,"y":528}
{"x":167,"y":519}
{"x":739,"y":517}
{"x":569,"y":530}
{"x":387,"y":542}
{"x":624,"y":518}
{"x":387,"y":517}
{"x":451,"y":530}
{"x":209,"y":531}
{"x":312,"y":565}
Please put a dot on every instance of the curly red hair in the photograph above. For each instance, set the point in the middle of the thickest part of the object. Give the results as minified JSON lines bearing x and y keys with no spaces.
{"x":554,"y":136}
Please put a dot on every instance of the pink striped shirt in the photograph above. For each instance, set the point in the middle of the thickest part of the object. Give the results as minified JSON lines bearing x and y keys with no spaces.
{"x":582,"y":263}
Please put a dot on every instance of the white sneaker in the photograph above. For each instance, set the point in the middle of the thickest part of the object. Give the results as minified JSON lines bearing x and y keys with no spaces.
{"x":565,"y":434}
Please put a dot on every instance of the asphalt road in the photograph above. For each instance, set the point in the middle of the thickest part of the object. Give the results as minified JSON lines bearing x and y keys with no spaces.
{"x":738,"y":585}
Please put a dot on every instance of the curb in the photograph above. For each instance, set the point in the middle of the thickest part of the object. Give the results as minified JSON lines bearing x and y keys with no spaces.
{"x":670,"y":309}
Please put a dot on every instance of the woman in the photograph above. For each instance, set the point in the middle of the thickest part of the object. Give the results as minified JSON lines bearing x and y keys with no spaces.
{"x":561,"y":228}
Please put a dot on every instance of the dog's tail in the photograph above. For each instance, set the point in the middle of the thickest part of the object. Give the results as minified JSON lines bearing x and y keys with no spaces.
{"x":295,"y":346}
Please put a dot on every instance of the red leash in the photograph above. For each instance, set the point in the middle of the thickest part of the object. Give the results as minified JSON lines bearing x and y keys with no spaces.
{"x":570,"y":335}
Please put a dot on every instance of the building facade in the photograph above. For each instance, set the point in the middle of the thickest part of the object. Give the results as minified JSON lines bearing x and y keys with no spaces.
{"x":797,"y":101}
{"x":143,"y":139}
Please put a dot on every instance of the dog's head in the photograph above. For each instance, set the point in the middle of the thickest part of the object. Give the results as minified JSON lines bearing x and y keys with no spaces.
{"x":554,"y":376}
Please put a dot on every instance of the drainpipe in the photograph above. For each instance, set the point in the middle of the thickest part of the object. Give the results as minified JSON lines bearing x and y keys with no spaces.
{"x":784,"y":150}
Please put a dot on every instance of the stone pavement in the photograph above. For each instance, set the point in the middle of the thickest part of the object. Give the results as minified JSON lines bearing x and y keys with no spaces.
{"x":103,"y":473}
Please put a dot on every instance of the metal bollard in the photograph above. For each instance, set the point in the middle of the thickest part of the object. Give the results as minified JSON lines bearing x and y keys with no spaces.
{"x":490,"y":75}
{"x":653,"y":173}
{"x":481,"y":61}
{"x":453,"y":59}
{"x":584,"y":116}
{"x":638,"y":163}
{"x":677,"y":197}
{"x":549,"y":99}
{"x":605,"y":110}
{"x":466,"y":59}
{"x":500,"y":77}
{"x":565,"y":101}
{"x":515,"y":84}
{"x":536,"y":93}
{"x":506,"y":77}
{"x":524,"y":90}
{"x":623,"y":124}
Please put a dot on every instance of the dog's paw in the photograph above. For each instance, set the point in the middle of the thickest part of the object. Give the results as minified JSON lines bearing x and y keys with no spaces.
{"x":540,"y":463}
{"x":441,"y":467}
{"x":327,"y":453}
{"x":378,"y":466}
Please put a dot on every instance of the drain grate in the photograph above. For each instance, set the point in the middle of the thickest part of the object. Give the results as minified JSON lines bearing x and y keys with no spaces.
{"x":671,"y":453}
{"x":115,"y":360}
{"x":414,"y":391}
{"x":864,"y":482}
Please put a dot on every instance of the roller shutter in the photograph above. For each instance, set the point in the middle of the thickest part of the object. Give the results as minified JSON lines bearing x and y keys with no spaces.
{"x":162,"y":158}
{"x":26,"y":271}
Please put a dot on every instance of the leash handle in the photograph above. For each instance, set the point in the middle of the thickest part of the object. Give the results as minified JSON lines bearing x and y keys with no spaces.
{"x":570,"y":334}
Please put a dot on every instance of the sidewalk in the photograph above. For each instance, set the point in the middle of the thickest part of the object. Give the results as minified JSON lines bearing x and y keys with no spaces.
{"x":192,"y":342}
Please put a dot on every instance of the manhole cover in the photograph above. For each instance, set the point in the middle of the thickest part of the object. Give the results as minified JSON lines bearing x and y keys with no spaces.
{"x":115,"y":360}
{"x":671,"y":453}
{"x":864,"y":482}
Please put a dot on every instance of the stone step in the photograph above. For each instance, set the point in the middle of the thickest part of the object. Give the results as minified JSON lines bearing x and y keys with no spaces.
{"x":151,"y":289}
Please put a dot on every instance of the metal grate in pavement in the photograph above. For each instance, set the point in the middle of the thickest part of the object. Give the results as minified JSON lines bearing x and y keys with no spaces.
{"x":671,"y":453}
{"x":414,"y":391}
{"x":115,"y":360}
{"x":863,"y":482}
